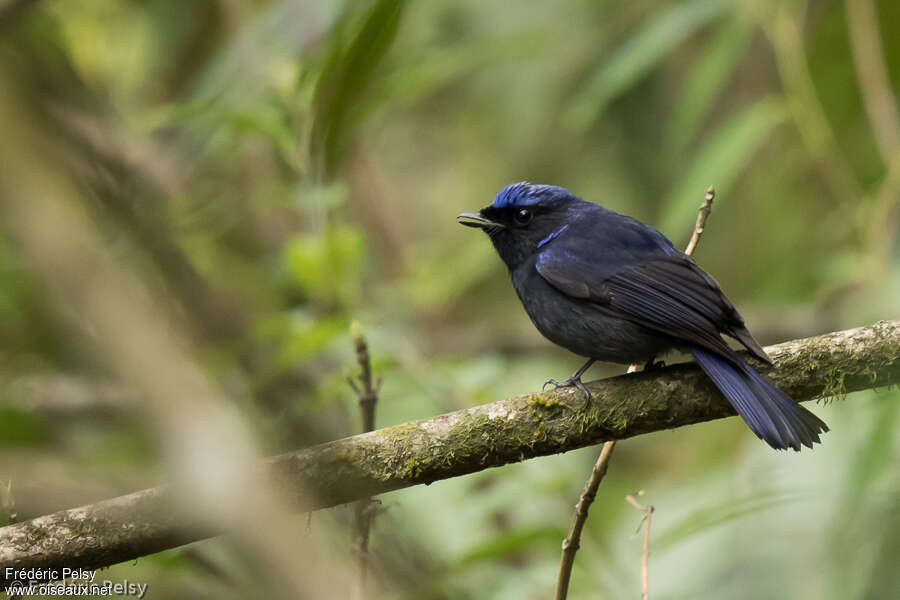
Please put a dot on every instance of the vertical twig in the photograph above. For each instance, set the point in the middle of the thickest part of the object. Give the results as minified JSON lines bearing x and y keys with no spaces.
{"x":366,"y":392}
{"x":645,"y":553}
{"x":572,"y":541}
{"x":367,"y":396}
{"x":702,"y":215}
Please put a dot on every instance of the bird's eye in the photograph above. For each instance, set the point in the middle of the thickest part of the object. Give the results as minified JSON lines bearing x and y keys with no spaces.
{"x":523,"y":217}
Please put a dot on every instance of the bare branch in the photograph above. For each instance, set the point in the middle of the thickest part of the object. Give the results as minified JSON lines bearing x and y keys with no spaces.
{"x":366,"y":391}
{"x":364,"y":510}
{"x":463,"y":442}
{"x":573,"y":540}
{"x":645,"y":553}
{"x":702,"y":215}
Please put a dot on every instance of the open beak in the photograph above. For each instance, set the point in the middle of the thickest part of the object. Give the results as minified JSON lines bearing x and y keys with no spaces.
{"x":476,"y":220}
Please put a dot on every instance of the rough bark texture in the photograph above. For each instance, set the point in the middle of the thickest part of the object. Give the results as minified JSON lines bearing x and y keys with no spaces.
{"x":463,"y":442}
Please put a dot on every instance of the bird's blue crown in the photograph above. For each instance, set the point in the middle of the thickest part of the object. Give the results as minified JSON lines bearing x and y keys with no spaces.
{"x":528,"y":194}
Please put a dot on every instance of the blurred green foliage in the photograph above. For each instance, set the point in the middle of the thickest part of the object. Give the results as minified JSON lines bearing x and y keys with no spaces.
{"x":280,"y":168}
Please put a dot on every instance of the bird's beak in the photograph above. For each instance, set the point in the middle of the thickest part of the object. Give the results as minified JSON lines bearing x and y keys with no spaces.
{"x":476,"y":220}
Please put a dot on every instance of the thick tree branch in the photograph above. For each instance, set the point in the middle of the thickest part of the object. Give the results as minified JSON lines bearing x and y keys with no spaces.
{"x":463,"y":442}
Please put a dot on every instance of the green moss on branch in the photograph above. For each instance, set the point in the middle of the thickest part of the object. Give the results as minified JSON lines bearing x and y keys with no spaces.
{"x":462,"y":442}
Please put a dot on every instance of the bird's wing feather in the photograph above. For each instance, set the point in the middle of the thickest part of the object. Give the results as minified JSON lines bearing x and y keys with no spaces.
{"x":670,"y":294}
{"x":573,"y":276}
{"x":665,"y":292}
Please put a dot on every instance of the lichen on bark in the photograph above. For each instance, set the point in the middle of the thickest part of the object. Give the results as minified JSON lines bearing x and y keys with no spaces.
{"x":462,"y":442}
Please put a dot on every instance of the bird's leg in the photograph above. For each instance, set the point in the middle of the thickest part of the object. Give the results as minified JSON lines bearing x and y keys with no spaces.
{"x":574,"y":380}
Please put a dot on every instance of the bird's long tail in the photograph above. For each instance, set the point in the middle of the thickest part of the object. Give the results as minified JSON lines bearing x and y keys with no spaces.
{"x":770,"y":413}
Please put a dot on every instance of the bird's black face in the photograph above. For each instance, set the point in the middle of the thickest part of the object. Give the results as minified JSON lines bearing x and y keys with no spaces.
{"x":522,"y":218}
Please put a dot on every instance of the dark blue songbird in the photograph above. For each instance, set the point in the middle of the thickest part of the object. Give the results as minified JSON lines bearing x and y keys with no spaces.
{"x":611,"y":288}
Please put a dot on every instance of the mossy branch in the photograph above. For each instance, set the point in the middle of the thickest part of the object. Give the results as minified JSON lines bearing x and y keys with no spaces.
{"x":460,"y":443}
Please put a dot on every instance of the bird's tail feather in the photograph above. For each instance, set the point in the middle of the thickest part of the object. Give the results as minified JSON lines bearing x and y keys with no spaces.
{"x":769,"y":412}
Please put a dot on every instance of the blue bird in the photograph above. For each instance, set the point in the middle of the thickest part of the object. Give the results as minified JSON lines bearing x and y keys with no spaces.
{"x":610,"y":288}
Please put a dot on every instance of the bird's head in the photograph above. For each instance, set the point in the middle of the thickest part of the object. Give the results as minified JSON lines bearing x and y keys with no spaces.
{"x":524,"y":217}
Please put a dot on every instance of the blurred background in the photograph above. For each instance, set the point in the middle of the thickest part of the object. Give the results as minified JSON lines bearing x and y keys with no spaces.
{"x":268,"y":172}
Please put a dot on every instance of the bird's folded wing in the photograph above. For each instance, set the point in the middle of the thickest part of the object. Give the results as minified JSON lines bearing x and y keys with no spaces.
{"x":669,"y":294}
{"x":574,"y":276}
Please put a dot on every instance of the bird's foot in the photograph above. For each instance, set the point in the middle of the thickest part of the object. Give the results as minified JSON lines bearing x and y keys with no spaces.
{"x":570,"y":382}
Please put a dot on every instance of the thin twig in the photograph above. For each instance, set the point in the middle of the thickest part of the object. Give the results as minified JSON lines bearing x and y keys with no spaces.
{"x":367,"y":395}
{"x":366,"y":392}
{"x":702,"y":215}
{"x":645,"y":553}
{"x":572,"y":541}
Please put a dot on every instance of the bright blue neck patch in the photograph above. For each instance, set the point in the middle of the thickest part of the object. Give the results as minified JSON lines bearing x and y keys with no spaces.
{"x":528,"y":194}
{"x":552,"y":236}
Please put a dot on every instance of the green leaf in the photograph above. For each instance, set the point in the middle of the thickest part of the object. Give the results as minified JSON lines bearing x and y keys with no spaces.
{"x":20,"y":429}
{"x":639,"y":56}
{"x":347,"y":73}
{"x":713,"y":516}
{"x":429,"y":289}
{"x":505,"y":544}
{"x":874,"y":458}
{"x":704,"y":82}
{"x":427,"y":72}
{"x":241,"y":73}
{"x":327,"y":267}
{"x":721,"y":159}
